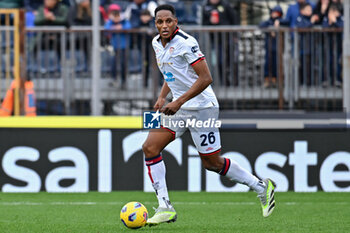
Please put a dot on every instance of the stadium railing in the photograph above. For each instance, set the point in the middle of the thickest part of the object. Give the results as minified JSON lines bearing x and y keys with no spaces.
{"x":303,"y":71}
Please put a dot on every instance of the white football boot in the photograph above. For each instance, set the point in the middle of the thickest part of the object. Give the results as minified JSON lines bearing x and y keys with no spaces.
{"x":267,"y":197}
{"x":162,"y":215}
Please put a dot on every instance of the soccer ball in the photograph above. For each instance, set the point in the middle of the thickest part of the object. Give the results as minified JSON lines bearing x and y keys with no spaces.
{"x":134,"y":215}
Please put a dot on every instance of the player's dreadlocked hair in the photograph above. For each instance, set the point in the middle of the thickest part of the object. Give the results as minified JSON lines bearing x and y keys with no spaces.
{"x":165,"y":7}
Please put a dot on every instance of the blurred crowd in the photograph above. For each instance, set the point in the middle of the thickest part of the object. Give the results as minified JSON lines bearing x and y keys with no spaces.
{"x":127,"y":14}
{"x":306,"y":14}
{"x":303,"y":13}
{"x":138,"y":13}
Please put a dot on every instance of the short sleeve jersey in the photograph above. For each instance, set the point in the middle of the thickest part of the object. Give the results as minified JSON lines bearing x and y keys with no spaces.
{"x":175,"y":62}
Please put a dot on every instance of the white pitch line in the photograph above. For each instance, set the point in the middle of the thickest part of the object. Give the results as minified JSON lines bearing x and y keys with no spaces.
{"x":154,"y":203}
{"x":21,"y":203}
{"x":74,"y":203}
{"x":121,"y":203}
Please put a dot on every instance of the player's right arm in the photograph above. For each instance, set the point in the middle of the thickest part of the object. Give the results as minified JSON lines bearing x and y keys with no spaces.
{"x":162,"y":96}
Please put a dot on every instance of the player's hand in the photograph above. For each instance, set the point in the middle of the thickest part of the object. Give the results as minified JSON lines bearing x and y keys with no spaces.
{"x":159,"y":104}
{"x":171,"y":108}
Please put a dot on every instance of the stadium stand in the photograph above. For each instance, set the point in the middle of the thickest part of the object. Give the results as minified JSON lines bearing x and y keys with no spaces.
{"x":236,"y":53}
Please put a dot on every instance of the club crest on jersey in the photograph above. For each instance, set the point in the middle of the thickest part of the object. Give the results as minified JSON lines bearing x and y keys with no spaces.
{"x":171,"y":49}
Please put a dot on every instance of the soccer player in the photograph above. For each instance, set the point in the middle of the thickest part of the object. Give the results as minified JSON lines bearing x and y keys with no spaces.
{"x":187,"y":76}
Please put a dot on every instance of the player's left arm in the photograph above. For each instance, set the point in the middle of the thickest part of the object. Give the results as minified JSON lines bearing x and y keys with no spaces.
{"x":203,"y":81}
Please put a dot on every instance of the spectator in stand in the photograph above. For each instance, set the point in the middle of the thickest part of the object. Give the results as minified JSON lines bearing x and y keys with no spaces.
{"x":146,"y":19}
{"x":133,"y":14}
{"x":305,"y":44}
{"x":52,"y":13}
{"x":335,"y":17}
{"x":119,"y":41}
{"x":334,"y":20}
{"x":133,"y":11}
{"x":320,"y":11}
{"x":304,"y":18}
{"x":81,"y":13}
{"x":270,"y":68}
{"x":220,"y":12}
{"x":293,"y":12}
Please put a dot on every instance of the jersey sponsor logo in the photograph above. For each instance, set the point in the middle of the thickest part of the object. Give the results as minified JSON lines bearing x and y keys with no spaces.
{"x":195,"y":49}
{"x":169,"y":76}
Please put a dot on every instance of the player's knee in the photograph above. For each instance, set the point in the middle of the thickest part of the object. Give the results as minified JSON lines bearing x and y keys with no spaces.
{"x":150,"y":150}
{"x":146,"y":148}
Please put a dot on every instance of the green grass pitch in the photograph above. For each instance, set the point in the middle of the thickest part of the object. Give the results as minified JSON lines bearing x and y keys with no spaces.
{"x":197,"y":212}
